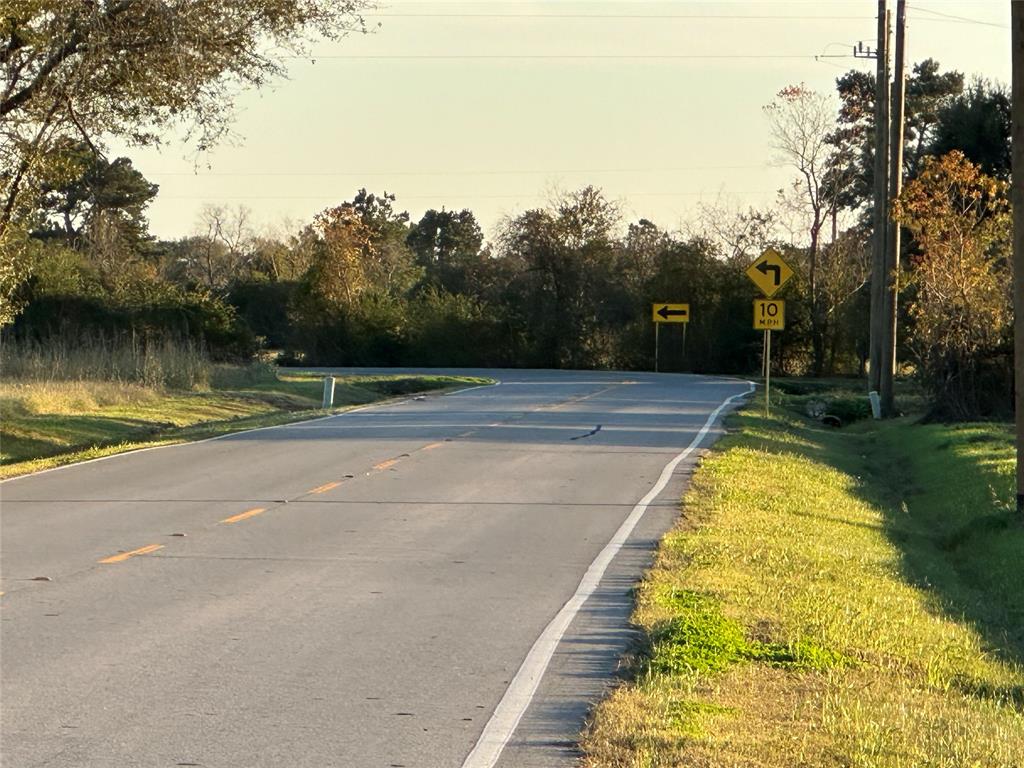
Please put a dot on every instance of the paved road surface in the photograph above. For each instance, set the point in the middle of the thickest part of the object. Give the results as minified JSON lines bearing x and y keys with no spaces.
{"x":353,"y":591}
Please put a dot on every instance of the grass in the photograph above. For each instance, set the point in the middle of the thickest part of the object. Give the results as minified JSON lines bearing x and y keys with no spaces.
{"x":831,"y":598}
{"x":177,"y":365}
{"x":46,"y":423}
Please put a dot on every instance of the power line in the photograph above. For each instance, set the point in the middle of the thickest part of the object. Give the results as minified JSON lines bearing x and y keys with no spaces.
{"x":526,"y":196}
{"x":583,"y":56}
{"x":536,"y":172}
{"x":948,"y":17}
{"x":660,"y":16}
{"x":954,"y":18}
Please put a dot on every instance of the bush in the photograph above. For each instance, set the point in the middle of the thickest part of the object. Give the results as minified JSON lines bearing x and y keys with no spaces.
{"x":179,"y":319}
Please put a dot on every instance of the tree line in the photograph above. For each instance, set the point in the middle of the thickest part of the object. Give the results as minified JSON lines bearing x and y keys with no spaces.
{"x":569,"y":284}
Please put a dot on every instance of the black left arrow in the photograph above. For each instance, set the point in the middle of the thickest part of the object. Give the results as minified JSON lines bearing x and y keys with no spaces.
{"x":764,"y":267}
{"x":666,"y":313}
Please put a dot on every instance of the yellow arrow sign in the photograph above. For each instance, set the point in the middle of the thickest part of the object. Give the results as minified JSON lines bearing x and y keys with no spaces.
{"x":670,"y":313}
{"x":769,"y":314}
{"x":769,"y":273}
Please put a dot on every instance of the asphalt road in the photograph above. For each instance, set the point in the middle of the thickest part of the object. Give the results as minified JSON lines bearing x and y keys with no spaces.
{"x":358,"y":591}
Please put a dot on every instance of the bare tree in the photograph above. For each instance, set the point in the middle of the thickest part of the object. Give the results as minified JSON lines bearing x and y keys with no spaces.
{"x":739,"y":235}
{"x":801,"y":121}
{"x":223,"y":246}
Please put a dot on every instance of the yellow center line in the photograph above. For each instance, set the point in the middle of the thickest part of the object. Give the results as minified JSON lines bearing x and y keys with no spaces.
{"x":385,"y":464}
{"x":431,"y":447}
{"x":325,"y":487}
{"x":125,"y":555}
{"x":243,"y":515}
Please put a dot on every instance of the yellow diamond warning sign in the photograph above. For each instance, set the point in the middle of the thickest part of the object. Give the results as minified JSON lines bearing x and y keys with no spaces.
{"x":769,"y":273}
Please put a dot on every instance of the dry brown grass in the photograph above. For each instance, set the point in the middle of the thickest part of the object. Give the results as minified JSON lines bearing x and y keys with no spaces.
{"x":66,"y":398}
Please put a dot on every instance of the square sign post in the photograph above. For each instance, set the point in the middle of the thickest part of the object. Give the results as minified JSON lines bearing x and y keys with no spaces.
{"x":769,"y":273}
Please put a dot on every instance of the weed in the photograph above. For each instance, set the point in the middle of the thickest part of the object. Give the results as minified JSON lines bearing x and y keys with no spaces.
{"x":699,"y":638}
{"x":152,"y":364}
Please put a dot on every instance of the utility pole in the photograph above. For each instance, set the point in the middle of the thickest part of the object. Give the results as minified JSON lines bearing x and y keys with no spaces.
{"x":881,"y":195}
{"x":1017,"y":198}
{"x":892,"y":260}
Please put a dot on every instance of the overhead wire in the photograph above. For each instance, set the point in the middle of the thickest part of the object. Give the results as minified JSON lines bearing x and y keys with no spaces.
{"x":526,"y":196}
{"x":955,"y":18}
{"x":618,"y":16}
{"x":666,"y":16}
{"x":510,"y":172}
{"x":581,"y":56}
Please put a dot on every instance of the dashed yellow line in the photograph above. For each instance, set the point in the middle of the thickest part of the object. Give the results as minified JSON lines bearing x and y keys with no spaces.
{"x":125,"y":555}
{"x":385,"y":464}
{"x":431,"y":447}
{"x":325,"y":487}
{"x":244,"y":515}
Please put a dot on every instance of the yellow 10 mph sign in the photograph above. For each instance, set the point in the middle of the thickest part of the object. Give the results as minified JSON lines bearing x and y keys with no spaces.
{"x":769,"y":314}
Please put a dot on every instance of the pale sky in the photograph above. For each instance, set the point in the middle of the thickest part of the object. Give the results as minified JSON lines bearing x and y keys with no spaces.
{"x":492,"y":106}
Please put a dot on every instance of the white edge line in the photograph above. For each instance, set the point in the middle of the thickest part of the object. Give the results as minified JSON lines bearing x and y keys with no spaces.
{"x":520,"y":692}
{"x":470,"y":389}
{"x":134,"y":451}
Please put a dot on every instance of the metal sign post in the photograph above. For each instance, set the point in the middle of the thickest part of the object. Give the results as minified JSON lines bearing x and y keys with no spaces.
{"x":656,"y":327}
{"x":684,"y":345}
{"x":767,"y":373}
{"x":663,"y":312}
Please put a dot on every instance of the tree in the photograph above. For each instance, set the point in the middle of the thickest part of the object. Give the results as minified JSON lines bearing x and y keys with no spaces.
{"x":99,"y":188}
{"x":83,"y":71}
{"x":565,"y":289}
{"x":222,"y":250}
{"x":387,"y":259}
{"x":449,"y":247}
{"x":844,"y":276}
{"x":927,"y":91}
{"x":959,"y":218}
{"x":352,"y":305}
{"x":643,"y":244}
{"x":801,"y":122}
{"x":99,"y":210}
{"x":339,"y":275}
{"x":977,"y":123}
{"x":740,"y":236}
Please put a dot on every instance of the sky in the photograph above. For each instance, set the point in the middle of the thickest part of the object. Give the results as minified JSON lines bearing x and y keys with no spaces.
{"x":498,"y":106}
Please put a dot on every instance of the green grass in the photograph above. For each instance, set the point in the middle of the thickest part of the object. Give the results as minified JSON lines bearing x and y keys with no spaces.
{"x":832,"y":598}
{"x":698,"y":637}
{"x":47,"y":423}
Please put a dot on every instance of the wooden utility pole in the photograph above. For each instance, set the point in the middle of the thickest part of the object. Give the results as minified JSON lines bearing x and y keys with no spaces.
{"x":892,"y":256}
{"x":881,"y":195}
{"x":1017,"y":198}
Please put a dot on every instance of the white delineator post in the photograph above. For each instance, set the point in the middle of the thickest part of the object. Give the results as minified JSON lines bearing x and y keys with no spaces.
{"x":328,"y":392}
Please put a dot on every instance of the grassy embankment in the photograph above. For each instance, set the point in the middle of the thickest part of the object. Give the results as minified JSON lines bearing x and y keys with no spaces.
{"x":848,"y":597}
{"x":57,"y":407}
